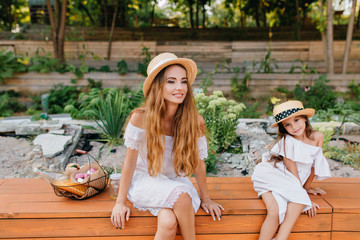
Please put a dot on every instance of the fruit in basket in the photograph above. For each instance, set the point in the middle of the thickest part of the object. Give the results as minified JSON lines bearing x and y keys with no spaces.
{"x":71,"y":168}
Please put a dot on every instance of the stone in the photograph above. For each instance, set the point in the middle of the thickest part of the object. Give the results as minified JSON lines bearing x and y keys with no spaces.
{"x":57,"y":132}
{"x":28,"y":129}
{"x":7,"y":127}
{"x":52,"y":144}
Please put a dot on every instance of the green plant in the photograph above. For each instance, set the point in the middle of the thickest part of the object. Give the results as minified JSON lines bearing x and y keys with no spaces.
{"x":142,"y":67}
{"x":267,"y":64}
{"x":9,"y":103}
{"x":319,"y":96}
{"x":42,"y":62}
{"x":220,"y":117}
{"x":240,"y":89}
{"x":112,"y":114}
{"x":350,"y":154}
{"x":60,"y":96}
{"x":355,"y":90}
{"x":10,"y":64}
{"x":122,"y":67}
{"x":304,"y":67}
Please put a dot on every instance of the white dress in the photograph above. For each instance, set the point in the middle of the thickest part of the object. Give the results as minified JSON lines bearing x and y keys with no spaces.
{"x":154,"y":193}
{"x":284,"y":186}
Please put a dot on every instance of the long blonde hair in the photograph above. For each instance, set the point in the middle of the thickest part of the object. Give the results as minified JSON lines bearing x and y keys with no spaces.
{"x":185,"y":125}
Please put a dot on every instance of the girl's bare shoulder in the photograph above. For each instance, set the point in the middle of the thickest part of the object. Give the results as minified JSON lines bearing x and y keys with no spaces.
{"x":137,"y":119}
{"x":318,"y":138}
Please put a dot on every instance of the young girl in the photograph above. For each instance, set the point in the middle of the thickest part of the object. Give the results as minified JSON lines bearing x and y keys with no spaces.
{"x":284,"y":176}
{"x":165,"y":143}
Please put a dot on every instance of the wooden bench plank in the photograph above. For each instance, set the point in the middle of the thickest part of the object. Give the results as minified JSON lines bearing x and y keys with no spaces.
{"x":83,"y":209}
{"x":9,"y":228}
{"x":343,"y":205}
{"x":2,"y":181}
{"x":293,"y":236}
{"x":335,"y":190}
{"x":346,"y":222}
{"x":345,"y":235}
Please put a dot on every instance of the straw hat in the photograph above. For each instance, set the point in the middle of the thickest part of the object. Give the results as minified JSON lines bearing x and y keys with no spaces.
{"x":163,"y":60}
{"x":290,"y":109}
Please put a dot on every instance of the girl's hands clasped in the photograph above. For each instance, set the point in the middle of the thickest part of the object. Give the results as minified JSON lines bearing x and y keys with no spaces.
{"x":118,"y":215}
{"x":212,"y":207}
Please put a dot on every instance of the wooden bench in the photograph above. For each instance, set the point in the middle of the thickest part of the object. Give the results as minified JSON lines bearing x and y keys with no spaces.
{"x":29,"y":209}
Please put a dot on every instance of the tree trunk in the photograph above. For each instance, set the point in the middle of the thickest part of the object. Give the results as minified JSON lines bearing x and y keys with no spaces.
{"x":242,"y":15}
{"x":297,"y":20}
{"x":197,"y":13}
{"x":191,"y":13}
{"x":330,"y":36}
{"x":112,"y":31}
{"x":263,"y":13}
{"x":257,"y":17}
{"x":57,"y":23}
{"x":153,"y":13}
{"x":323,"y":35}
{"x":203,"y":16}
{"x":349,"y":37}
{"x":358,"y":20}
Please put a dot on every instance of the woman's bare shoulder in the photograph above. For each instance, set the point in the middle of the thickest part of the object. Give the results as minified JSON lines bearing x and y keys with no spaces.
{"x":137,"y":119}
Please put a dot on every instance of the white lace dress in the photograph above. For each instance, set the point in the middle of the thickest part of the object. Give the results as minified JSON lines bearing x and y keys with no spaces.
{"x":284,"y":186}
{"x":162,"y":191}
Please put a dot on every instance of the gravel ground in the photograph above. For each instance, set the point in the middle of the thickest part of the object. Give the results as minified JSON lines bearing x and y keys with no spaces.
{"x":19,"y":156}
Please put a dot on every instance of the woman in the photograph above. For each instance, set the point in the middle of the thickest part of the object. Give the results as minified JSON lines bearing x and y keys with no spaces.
{"x":165,"y":143}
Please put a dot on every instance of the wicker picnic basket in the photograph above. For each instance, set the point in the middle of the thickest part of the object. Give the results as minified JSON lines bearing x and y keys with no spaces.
{"x":95,"y":183}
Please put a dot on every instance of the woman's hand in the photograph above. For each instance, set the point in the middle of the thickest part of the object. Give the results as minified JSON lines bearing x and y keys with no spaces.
{"x":316,"y":191}
{"x":313,"y":210}
{"x":212,"y":207}
{"x":120,"y":211}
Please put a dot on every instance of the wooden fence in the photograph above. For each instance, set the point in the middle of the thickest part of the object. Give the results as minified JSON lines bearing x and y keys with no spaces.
{"x":259,"y":84}
{"x":207,"y":54}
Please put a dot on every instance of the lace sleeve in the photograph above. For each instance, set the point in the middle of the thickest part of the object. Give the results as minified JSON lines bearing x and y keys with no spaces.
{"x":202,"y":145}
{"x":133,"y":136}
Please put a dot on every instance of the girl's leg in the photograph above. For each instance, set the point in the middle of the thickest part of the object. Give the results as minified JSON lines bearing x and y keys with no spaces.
{"x":185,"y":215}
{"x":271,"y":222}
{"x":167,"y":225}
{"x":292,"y":213}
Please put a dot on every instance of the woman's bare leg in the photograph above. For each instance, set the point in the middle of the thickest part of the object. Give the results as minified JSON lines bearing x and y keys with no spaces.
{"x":185,"y":215}
{"x":271,"y":222}
{"x":166,"y":225}
{"x":292,"y":214}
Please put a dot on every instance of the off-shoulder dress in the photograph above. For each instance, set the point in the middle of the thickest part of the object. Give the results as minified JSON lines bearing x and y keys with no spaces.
{"x":284,"y":186}
{"x":154,"y":193}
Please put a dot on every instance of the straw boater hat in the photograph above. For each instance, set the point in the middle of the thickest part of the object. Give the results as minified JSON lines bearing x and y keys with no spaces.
{"x":290,"y":109}
{"x":163,"y":60}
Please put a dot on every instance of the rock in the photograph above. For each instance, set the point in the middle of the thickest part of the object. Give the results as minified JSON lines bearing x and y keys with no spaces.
{"x":57,"y":132}
{"x":7,"y":127}
{"x":52,"y":144}
{"x":254,"y":138}
{"x":28,"y":129}
{"x":65,"y":155}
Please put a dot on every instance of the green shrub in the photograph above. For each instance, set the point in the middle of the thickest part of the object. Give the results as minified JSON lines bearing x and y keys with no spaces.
{"x":60,"y":96}
{"x":142,"y":67}
{"x":111,"y":111}
{"x":9,"y":103}
{"x":43,"y":63}
{"x":319,"y":96}
{"x":355,"y":90}
{"x":220,"y":117}
{"x":10,"y":64}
